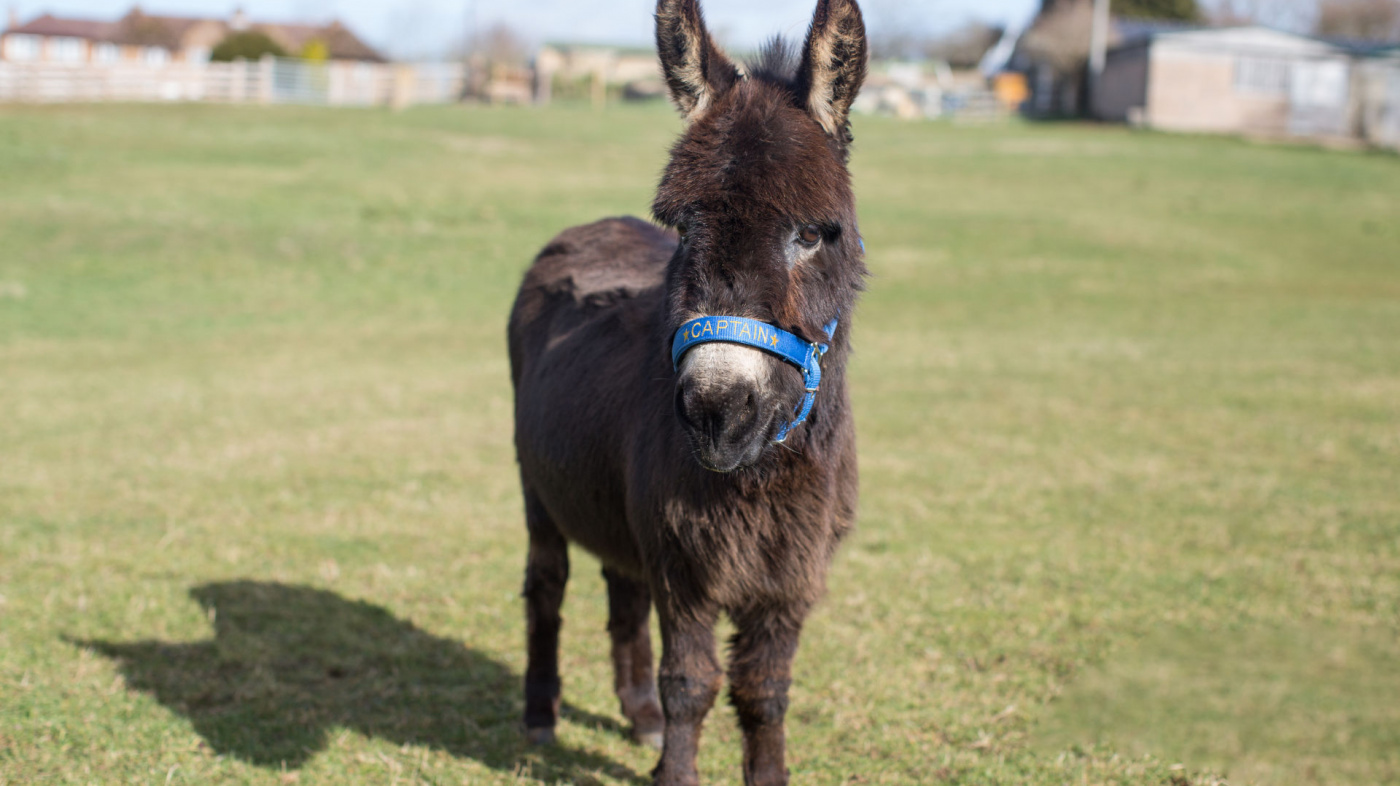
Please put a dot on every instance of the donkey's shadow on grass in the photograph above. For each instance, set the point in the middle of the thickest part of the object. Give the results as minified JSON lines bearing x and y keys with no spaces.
{"x":289,"y":664}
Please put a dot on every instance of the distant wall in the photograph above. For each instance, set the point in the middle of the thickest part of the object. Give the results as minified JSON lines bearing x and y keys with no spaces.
{"x":1194,"y":91}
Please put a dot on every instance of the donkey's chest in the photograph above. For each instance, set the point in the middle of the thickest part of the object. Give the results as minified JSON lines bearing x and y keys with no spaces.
{"x":757,"y":552}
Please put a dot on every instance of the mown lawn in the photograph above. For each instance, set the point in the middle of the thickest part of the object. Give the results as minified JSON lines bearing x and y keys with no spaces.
{"x":1130,"y":420}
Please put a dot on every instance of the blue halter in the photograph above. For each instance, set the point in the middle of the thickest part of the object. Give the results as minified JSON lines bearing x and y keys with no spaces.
{"x":770,"y":339}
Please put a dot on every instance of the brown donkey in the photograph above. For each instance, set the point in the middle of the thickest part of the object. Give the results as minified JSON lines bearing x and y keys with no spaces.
{"x":680,"y":397}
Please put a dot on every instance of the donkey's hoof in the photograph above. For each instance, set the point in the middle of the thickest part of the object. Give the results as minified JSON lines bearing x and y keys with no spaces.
{"x":648,"y":724}
{"x":652,"y":739}
{"x":542,"y":736}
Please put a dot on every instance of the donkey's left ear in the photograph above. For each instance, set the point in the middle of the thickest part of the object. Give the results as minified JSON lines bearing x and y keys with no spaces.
{"x":833,"y":65}
{"x":696,"y":70}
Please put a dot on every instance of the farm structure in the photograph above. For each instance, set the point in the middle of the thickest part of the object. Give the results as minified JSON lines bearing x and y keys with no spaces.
{"x":635,"y":71}
{"x":1244,"y":80}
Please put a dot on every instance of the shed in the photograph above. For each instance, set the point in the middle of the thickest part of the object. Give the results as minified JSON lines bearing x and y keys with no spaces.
{"x":1244,"y":80}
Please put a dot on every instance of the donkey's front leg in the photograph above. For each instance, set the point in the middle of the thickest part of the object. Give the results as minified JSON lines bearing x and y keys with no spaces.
{"x":689,"y":681}
{"x":760,"y":671}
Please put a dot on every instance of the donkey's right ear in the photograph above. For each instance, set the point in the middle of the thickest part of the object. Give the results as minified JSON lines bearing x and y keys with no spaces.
{"x":833,"y":65}
{"x":696,"y":71}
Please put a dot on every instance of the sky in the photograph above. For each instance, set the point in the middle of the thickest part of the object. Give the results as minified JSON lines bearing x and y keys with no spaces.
{"x":430,"y":28}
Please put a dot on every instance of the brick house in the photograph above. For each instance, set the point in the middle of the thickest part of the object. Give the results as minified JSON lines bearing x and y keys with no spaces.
{"x":157,"y":40}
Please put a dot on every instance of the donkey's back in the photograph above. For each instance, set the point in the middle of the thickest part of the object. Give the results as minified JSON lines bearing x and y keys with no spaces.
{"x":610,"y":269}
{"x":583,"y":322}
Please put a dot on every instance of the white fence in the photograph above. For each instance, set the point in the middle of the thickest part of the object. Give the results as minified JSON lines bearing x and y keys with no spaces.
{"x":267,"y":81}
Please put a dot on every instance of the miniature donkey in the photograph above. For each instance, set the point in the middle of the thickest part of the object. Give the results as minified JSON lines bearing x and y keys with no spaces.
{"x":680,"y":396}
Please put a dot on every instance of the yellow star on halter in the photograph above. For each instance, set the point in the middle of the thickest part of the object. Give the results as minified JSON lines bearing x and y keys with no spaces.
{"x":774,"y":342}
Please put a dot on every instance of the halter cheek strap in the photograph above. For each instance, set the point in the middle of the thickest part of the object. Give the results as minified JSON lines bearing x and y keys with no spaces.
{"x":761,"y":335}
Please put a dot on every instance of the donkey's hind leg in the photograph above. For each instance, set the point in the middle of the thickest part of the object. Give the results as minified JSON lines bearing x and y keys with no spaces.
{"x":546,"y":573}
{"x":629,"y":610}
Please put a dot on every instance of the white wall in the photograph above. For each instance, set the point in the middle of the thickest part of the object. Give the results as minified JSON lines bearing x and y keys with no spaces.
{"x":22,"y":48}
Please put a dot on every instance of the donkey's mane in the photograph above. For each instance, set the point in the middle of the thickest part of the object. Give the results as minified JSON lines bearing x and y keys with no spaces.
{"x":776,"y":63}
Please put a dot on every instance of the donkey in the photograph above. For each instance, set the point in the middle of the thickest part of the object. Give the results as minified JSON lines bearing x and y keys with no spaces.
{"x":681,"y":409}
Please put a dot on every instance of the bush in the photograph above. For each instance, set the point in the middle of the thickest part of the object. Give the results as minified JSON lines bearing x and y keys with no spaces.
{"x":316,"y":51}
{"x":247,"y":45}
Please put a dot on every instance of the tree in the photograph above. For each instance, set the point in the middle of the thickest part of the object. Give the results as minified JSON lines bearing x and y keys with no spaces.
{"x":1060,"y":36}
{"x":895,"y":30}
{"x":246,"y":45}
{"x":1169,"y":10}
{"x":964,"y":47}
{"x":316,"y":51}
{"x":1362,"y":20}
{"x":1180,"y":10}
{"x":499,"y":45}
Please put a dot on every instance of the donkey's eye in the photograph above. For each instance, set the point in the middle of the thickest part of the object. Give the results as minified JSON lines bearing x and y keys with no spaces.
{"x":683,"y":230}
{"x":809,"y":235}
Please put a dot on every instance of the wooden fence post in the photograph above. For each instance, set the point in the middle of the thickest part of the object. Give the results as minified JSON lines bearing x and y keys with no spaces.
{"x":404,"y":84}
{"x":265,"y":77}
{"x":599,"y":90}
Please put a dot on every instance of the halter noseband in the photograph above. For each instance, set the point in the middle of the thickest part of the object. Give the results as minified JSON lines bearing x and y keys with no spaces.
{"x":760,"y":335}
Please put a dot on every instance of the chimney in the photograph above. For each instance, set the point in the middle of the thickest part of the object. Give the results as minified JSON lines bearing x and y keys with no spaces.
{"x":239,"y":21}
{"x":13,"y":19}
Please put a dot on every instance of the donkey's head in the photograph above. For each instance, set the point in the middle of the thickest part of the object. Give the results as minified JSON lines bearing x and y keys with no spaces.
{"x":759,"y":191}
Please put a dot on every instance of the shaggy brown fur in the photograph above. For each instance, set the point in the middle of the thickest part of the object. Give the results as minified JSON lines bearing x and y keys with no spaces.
{"x":605,"y":460}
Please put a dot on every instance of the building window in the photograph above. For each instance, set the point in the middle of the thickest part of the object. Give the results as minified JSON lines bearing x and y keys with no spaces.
{"x":67,"y":50}
{"x":22,"y":47}
{"x":156,"y":56}
{"x":1324,"y":84}
{"x":106,"y":53}
{"x":198,"y":54}
{"x":1266,"y":76}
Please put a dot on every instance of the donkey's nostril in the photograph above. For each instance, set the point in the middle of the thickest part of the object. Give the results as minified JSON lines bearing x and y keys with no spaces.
{"x":685,"y":402}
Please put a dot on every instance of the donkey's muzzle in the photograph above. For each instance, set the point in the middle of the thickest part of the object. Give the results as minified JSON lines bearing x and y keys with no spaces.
{"x":728,"y":425}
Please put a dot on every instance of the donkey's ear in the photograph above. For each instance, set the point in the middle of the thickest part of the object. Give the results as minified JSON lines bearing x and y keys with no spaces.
{"x":696,"y":71}
{"x":833,"y":65}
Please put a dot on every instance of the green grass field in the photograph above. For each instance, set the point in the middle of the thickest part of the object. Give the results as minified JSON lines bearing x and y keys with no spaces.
{"x":1130,"y":437}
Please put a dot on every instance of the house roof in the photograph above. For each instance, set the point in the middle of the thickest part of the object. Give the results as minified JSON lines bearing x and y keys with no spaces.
{"x":136,"y":28}
{"x":50,"y":25}
{"x":141,"y":29}
{"x":342,"y":42}
{"x":1365,"y":48}
{"x":1132,"y":31}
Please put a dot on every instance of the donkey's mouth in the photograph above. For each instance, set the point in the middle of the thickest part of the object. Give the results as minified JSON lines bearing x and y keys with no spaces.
{"x":726,"y":456}
{"x":725,"y":465}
